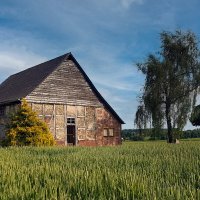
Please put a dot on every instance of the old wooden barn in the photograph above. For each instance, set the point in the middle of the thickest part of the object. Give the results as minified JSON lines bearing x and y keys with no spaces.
{"x":65,"y":98}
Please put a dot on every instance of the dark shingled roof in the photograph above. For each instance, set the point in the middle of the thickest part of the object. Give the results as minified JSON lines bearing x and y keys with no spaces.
{"x":19,"y":85}
{"x":23,"y":83}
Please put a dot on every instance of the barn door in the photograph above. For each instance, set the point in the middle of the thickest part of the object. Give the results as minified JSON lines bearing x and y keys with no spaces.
{"x":71,"y":131}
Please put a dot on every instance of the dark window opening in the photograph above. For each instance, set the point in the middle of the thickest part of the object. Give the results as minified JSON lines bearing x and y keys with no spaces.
{"x":70,"y":120}
{"x":71,"y":134}
{"x":71,"y":131}
{"x":2,"y":110}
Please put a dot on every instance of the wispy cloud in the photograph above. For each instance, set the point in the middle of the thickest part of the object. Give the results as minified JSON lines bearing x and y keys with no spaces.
{"x":15,"y":53}
{"x":107,"y":37}
{"x":15,"y":61}
{"x":128,"y":3}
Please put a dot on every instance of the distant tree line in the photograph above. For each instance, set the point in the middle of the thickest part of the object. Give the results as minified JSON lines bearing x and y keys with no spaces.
{"x":150,"y":134}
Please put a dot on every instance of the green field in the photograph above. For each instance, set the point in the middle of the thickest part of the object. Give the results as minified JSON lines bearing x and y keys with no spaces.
{"x":135,"y":170}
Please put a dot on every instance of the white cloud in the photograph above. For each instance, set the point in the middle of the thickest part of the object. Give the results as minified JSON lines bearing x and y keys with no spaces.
{"x":15,"y":54}
{"x":15,"y":61}
{"x":19,"y":60}
{"x":98,"y":33}
{"x":128,"y":3}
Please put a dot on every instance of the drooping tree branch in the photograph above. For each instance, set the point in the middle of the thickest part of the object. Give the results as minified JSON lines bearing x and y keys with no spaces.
{"x":172,"y":81}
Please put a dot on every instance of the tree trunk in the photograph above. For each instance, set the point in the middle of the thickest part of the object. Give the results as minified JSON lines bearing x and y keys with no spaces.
{"x":170,"y":134}
{"x":170,"y":131}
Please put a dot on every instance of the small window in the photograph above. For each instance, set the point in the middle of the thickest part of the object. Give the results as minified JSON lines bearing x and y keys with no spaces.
{"x":105,"y":132}
{"x":2,"y":110}
{"x":108,"y":132}
{"x":111,"y":132}
{"x":70,"y":120}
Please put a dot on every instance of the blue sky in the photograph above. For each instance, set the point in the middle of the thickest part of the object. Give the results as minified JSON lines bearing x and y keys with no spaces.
{"x":107,"y":37}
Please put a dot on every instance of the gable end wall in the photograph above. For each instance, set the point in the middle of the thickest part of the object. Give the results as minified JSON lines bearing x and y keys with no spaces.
{"x":65,"y":85}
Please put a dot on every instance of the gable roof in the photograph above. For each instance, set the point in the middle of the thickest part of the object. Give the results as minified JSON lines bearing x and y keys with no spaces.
{"x":21,"y":84}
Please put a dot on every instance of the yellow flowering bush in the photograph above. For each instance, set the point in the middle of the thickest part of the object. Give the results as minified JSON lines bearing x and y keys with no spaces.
{"x":25,"y":128}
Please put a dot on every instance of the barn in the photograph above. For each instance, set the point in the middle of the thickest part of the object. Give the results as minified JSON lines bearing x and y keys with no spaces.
{"x":62,"y":95}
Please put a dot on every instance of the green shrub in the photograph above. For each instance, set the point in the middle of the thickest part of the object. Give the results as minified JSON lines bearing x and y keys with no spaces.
{"x":24,"y":128}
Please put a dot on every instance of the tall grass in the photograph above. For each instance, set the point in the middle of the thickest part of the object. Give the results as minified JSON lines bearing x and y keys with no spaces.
{"x":145,"y":170}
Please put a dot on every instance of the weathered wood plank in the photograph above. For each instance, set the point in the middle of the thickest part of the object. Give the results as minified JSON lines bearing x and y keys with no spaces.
{"x":66,"y":85}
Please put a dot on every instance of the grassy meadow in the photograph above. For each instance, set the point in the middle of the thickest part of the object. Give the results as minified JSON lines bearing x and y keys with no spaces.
{"x":135,"y":170}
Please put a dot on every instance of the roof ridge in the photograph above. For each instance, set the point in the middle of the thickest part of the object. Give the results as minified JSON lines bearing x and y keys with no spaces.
{"x":21,"y":84}
{"x":65,"y":56}
{"x":25,"y":86}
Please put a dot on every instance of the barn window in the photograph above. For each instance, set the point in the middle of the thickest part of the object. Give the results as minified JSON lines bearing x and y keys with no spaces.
{"x":105,"y":132}
{"x":108,"y":132}
{"x":111,"y":130}
{"x":2,"y":110}
{"x":70,"y":120}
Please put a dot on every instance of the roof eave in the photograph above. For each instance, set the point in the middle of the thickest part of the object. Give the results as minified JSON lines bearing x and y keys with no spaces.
{"x":10,"y":102}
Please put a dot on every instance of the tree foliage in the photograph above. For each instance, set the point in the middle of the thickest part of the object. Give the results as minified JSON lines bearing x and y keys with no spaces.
{"x":141,"y":118}
{"x":172,"y":81}
{"x":195,"y":116}
{"x":148,"y":134}
{"x":24,"y":128}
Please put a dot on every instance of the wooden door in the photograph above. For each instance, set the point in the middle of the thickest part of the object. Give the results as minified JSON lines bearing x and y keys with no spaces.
{"x":71,"y":134}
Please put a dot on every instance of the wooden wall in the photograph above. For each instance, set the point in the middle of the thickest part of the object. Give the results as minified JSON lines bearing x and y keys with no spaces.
{"x":66,"y":85}
{"x":66,"y":93}
{"x":90,"y":123}
{"x":9,"y":109}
